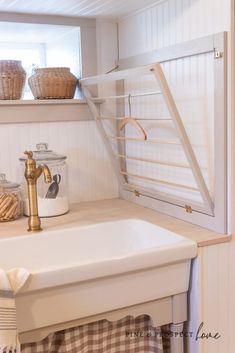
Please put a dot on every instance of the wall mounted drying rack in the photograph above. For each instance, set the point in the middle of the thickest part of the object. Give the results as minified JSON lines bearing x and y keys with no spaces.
{"x":156,"y":70}
{"x":210,"y":211}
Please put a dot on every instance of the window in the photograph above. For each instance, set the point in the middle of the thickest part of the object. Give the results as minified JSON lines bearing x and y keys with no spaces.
{"x":40,"y":45}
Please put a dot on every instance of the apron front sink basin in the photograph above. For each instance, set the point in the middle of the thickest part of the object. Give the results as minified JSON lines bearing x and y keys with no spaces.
{"x":93,"y":251}
{"x":94,"y":269}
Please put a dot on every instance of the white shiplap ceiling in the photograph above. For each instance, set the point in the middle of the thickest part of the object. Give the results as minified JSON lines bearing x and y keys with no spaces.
{"x":86,"y":8}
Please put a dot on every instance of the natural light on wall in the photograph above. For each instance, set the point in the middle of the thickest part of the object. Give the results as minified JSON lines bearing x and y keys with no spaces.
{"x":41,"y":45}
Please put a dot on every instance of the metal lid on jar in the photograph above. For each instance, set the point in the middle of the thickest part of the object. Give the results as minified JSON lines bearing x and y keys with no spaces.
{"x":44,"y":154}
{"x":5,"y":184}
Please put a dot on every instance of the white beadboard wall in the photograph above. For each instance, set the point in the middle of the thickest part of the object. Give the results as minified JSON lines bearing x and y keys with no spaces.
{"x":212,"y":298}
{"x":171,"y":22}
{"x":90,"y":174}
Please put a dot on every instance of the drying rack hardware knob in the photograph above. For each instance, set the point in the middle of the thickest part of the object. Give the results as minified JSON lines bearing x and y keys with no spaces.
{"x":218,"y":54}
{"x":188,"y":209}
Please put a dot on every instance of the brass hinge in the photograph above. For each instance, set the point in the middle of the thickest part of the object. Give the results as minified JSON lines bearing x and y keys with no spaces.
{"x":218,"y":54}
{"x":188,"y":209}
{"x":137,"y":194}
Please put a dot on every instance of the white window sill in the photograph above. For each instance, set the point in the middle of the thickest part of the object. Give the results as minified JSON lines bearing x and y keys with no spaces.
{"x":42,"y":101}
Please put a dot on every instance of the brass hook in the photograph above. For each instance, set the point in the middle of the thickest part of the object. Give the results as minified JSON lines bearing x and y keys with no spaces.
{"x":132,"y":121}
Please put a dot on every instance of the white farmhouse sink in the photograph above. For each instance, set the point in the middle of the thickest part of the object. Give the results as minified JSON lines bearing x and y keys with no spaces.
{"x":97,"y":268}
{"x":78,"y":254}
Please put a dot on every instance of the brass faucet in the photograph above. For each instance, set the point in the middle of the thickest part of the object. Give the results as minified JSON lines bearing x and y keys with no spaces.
{"x":32,"y":173}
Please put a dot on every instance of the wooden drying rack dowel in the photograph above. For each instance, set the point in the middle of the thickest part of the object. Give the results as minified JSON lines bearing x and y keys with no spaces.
{"x":150,"y":141}
{"x":169,"y":164}
{"x":159,"y":181}
{"x":103,"y":117}
{"x":126,"y":96}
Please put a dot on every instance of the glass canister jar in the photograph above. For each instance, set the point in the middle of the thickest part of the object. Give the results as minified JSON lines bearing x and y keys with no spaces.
{"x":53,"y":197}
{"x":11,"y":206}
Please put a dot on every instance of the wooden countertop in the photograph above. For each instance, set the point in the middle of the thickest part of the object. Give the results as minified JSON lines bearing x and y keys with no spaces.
{"x":115,"y":209}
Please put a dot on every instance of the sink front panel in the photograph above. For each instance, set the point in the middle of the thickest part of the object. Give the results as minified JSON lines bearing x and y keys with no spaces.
{"x":78,"y":300}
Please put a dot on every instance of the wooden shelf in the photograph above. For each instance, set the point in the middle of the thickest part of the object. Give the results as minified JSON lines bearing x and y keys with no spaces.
{"x":48,"y":110}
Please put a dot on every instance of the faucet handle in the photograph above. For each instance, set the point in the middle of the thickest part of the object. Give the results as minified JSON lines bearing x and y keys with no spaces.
{"x":29,"y":154}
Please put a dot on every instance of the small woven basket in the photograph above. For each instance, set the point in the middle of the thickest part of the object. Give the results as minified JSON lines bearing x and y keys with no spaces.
{"x":53,"y":83}
{"x":12,"y":79}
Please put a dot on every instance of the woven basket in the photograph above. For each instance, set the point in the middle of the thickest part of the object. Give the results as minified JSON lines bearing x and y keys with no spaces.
{"x":53,"y":83}
{"x":12,"y":79}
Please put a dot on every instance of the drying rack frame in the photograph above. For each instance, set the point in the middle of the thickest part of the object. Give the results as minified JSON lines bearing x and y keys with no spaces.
{"x":211,"y":215}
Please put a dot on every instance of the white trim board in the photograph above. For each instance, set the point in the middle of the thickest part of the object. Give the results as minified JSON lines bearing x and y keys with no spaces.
{"x":14,"y":112}
{"x":178,"y":51}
